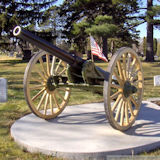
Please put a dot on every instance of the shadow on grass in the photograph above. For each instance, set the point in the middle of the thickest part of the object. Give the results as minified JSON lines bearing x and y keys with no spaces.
{"x":11,"y":73}
{"x":148,"y":78}
{"x":13,"y":62}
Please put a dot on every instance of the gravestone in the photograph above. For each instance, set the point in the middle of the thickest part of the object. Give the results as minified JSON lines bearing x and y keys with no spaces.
{"x":157,"y":80}
{"x":3,"y":90}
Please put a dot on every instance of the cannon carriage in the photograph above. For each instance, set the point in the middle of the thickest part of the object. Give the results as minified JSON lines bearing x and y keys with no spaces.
{"x":52,"y":73}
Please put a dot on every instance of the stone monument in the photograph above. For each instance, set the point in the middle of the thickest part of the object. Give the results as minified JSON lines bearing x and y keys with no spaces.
{"x":3,"y":90}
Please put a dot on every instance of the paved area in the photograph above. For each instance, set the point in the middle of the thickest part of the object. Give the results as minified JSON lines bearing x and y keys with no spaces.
{"x":82,"y":132}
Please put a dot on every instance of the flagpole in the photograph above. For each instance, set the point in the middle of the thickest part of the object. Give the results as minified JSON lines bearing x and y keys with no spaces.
{"x":92,"y":58}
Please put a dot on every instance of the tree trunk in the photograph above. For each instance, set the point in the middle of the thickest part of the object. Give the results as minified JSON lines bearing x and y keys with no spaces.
{"x":105,"y":47}
{"x":149,"y":49}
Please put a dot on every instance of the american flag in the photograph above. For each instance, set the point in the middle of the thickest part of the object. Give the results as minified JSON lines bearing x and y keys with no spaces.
{"x":96,"y":50}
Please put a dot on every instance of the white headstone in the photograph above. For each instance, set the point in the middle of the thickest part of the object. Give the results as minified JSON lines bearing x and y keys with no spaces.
{"x":3,"y":90}
{"x":157,"y":80}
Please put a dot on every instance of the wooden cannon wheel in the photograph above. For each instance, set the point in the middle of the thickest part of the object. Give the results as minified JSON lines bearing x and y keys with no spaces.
{"x":41,"y":77}
{"x":124,"y":89}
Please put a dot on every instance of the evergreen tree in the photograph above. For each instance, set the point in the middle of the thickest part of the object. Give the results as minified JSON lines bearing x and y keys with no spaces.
{"x":21,"y":12}
{"x":155,"y":43}
{"x":153,"y":11}
{"x":54,"y":24}
{"x":84,"y":17}
{"x":26,"y":13}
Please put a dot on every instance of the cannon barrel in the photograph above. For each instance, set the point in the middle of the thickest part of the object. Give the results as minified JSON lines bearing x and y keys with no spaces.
{"x":48,"y":47}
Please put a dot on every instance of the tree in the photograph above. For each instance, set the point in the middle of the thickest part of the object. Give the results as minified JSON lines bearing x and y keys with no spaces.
{"x":26,"y":13}
{"x":84,"y":17}
{"x":103,"y":27}
{"x":155,"y":43}
{"x":54,"y":24}
{"x":151,"y":14}
{"x":149,"y":50}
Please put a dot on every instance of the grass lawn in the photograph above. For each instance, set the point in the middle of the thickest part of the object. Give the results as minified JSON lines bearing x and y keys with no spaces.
{"x":16,"y":107}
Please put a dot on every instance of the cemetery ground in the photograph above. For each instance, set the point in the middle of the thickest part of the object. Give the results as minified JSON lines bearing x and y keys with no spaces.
{"x":13,"y":70}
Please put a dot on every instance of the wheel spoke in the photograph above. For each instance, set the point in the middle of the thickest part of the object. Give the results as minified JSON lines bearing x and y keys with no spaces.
{"x":122,"y":114}
{"x":36,"y":80}
{"x":48,"y":61}
{"x":41,"y":101}
{"x":126,"y":113}
{"x":133,"y":75}
{"x":51,"y":104}
{"x":124,"y":67}
{"x":42,"y":65}
{"x":58,"y":67}
{"x":37,"y":87}
{"x":118,"y":110}
{"x":132,"y":68}
{"x":53,"y":65}
{"x":116,"y":103}
{"x":115,"y":86}
{"x":63,"y":71}
{"x":115,"y":95}
{"x":118,"y":79}
{"x":41,"y":75}
{"x":134,"y":102}
{"x":38,"y":94}
{"x":130,"y":108}
{"x":120,"y":69}
{"x":128,"y":65}
{"x":59,"y":95}
{"x":46,"y":104}
{"x":133,"y":62}
{"x":137,"y":82}
{"x":55,"y":100}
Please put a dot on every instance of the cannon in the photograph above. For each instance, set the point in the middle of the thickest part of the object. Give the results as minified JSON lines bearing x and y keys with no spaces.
{"x":52,"y":73}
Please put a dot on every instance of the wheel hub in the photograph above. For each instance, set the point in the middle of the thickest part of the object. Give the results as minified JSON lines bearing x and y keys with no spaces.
{"x":128,"y":89}
{"x":51,"y":83}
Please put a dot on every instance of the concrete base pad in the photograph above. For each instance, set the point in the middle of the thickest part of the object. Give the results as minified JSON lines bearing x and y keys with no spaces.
{"x":82,"y":132}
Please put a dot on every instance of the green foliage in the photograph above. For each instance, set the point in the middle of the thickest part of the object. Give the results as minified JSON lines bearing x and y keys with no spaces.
{"x":103,"y":27}
{"x":101,"y":18}
{"x":103,"y":30}
{"x":78,"y":27}
{"x":26,"y":13}
{"x":151,"y":15}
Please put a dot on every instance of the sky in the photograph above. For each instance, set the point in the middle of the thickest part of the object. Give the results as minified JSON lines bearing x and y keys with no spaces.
{"x":143,"y":31}
{"x":143,"y":27}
